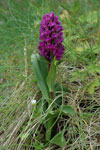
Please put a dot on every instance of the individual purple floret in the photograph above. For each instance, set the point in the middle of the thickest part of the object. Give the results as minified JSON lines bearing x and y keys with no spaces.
{"x":50,"y":44}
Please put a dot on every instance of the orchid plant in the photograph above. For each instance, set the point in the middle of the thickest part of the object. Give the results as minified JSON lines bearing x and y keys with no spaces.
{"x":51,"y":50}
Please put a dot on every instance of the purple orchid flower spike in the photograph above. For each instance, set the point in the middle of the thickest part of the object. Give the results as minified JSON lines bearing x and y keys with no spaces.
{"x":51,"y":39}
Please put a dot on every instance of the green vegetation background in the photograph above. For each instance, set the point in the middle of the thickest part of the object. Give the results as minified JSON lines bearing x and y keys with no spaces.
{"x":79,"y":72}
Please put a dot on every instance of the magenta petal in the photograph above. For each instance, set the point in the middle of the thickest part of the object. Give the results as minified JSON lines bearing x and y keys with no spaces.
{"x":50,"y":44}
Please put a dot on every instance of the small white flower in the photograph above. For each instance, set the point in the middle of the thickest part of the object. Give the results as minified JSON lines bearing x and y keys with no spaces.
{"x":33,"y":101}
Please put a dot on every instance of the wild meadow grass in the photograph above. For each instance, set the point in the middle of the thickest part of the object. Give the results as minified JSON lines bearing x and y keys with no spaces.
{"x":21,"y":125}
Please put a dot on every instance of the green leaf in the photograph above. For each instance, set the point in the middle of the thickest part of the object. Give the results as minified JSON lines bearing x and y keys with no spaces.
{"x":67,"y":110}
{"x":92,"y":68}
{"x":38,"y":145}
{"x":50,"y":118}
{"x":43,"y":64}
{"x":48,"y":126}
{"x":59,"y":139}
{"x":92,"y":86}
{"x":97,"y":69}
{"x":40,"y":74}
{"x":78,"y":75}
{"x":51,"y":76}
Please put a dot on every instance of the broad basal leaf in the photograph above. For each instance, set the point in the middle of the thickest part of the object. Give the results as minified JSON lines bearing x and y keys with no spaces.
{"x":67,"y":110}
{"x":40,"y":74}
{"x":49,"y":122}
{"x":59,"y":139}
